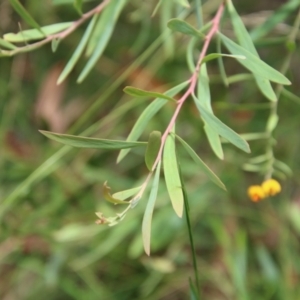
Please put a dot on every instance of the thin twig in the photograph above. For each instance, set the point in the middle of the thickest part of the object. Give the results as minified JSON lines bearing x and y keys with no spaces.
{"x":192,"y":80}
{"x":61,"y":35}
{"x":180,"y":102}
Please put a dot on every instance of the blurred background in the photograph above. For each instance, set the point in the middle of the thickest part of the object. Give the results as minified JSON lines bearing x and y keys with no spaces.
{"x":50,"y":246}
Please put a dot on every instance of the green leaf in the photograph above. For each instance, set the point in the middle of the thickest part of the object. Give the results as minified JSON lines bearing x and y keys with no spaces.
{"x":141,"y":123}
{"x":267,"y":264}
{"x":222,"y":129}
{"x":183,"y":27}
{"x":156,"y":8}
{"x":204,"y":95}
{"x":78,"y":52}
{"x":265,"y":87}
{"x":166,"y":14}
{"x":34,"y":34}
{"x":221,"y":64}
{"x":92,"y":143}
{"x":290,"y":95}
{"x":78,"y":5}
{"x":7,"y":44}
{"x":190,"y":51}
{"x":203,"y":91}
{"x":279,"y":15}
{"x":107,"y":23}
{"x":193,"y":291}
{"x":246,"y":42}
{"x":214,"y":141}
{"x":61,"y":2}
{"x":147,"y":115}
{"x":283,"y":167}
{"x":255,"y":136}
{"x":20,"y":9}
{"x":259,"y":159}
{"x":152,"y":150}
{"x":240,"y":29}
{"x":272,"y":123}
{"x":106,"y":193}
{"x":135,"y":92}
{"x":54,"y":44}
{"x":184,"y":3}
{"x":252,"y":168}
{"x":201,"y":164}
{"x":217,"y":55}
{"x":146,"y":227}
{"x":127,"y":193}
{"x":253,"y":63}
{"x":172,"y":177}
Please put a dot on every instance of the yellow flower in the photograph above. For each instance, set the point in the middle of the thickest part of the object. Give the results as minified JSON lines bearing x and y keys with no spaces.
{"x":271,"y":187}
{"x":256,"y":193}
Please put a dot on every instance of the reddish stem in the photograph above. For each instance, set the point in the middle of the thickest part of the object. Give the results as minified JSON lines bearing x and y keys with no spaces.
{"x":192,"y":80}
{"x":61,"y":35}
{"x":190,"y":91}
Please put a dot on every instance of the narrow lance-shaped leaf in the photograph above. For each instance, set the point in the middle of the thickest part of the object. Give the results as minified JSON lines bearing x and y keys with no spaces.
{"x":109,"y":197}
{"x":172,"y":177}
{"x":290,"y":96}
{"x":135,"y":92}
{"x":272,"y":123}
{"x":96,"y":34}
{"x":61,"y":2}
{"x":7,"y":44}
{"x":184,"y":3}
{"x":108,"y":19}
{"x":283,"y":167}
{"x":78,"y":6}
{"x":247,"y":43}
{"x":20,"y":9}
{"x":34,"y":34}
{"x":221,"y":64}
{"x":91,"y":143}
{"x":193,"y":291}
{"x":278,"y":16}
{"x":156,"y":8}
{"x":214,"y":141}
{"x":78,"y":52}
{"x":265,"y":87}
{"x":147,"y":115}
{"x":240,"y":29}
{"x":212,"y":56}
{"x":127,"y":193}
{"x":222,"y":129}
{"x":204,"y":97}
{"x":253,"y":63}
{"x":152,"y":149}
{"x":201,"y":164}
{"x":183,"y":27}
{"x":190,"y":54}
{"x":55,"y":44}
{"x":147,"y":220}
{"x":168,"y":43}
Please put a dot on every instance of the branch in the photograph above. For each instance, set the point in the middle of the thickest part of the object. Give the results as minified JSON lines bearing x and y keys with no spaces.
{"x":180,"y":102}
{"x":61,"y":35}
{"x":193,"y":81}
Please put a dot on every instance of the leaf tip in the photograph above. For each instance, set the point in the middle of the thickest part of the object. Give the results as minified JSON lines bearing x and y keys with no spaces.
{"x":179,"y":211}
{"x":43,"y":132}
{"x":60,"y":80}
{"x":248,"y":150}
{"x":147,"y":250}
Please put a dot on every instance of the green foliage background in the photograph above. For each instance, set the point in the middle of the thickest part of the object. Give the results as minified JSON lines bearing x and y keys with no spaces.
{"x":49,"y":244}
